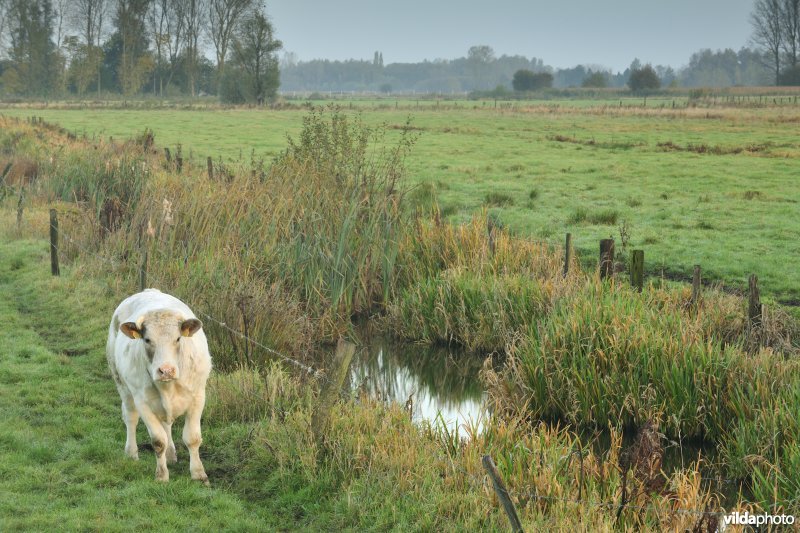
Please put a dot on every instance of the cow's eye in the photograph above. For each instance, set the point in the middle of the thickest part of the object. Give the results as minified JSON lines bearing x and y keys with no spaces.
{"x":147,"y":341}
{"x":178,"y":339}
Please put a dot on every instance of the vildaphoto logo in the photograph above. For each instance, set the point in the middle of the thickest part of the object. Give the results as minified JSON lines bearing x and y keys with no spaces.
{"x":747,"y":519}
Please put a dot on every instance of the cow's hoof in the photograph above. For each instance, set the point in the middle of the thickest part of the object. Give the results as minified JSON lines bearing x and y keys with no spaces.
{"x":133,"y":453}
{"x":162,"y":475}
{"x":202,"y":478}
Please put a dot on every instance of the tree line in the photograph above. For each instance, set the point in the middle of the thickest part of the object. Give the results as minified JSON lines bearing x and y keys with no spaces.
{"x":167,"y":48}
{"x":480,"y":70}
{"x":56,"y":47}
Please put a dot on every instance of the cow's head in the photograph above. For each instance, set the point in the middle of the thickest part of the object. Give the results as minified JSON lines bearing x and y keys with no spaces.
{"x":162,"y":332}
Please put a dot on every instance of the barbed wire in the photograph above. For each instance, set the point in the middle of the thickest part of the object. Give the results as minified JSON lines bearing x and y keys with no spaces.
{"x":478,"y":483}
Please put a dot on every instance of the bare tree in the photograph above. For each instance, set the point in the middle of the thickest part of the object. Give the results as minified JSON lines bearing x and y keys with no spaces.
{"x":166,"y":24}
{"x":223,"y":16}
{"x":192,"y":15}
{"x":60,"y":15}
{"x":790,"y":12}
{"x":87,"y":18}
{"x":158,"y":24}
{"x":768,"y":26}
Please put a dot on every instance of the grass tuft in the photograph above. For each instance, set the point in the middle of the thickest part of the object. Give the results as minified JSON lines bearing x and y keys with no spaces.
{"x":498,"y":199}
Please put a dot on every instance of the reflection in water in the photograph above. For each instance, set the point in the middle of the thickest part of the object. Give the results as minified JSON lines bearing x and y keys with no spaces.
{"x":440,"y":380}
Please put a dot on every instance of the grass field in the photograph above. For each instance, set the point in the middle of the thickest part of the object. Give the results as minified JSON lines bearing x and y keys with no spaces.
{"x":338,"y":245}
{"x":709,"y":186}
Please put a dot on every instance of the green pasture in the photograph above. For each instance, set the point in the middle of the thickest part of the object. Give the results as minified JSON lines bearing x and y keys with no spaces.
{"x":714,"y":186}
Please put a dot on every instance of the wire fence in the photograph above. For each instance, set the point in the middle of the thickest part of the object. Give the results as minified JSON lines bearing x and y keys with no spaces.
{"x":479,"y":483}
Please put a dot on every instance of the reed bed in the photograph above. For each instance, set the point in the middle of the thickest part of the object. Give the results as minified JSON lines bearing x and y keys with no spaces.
{"x":374,"y":456}
{"x":609,"y":356}
{"x":475,"y":285}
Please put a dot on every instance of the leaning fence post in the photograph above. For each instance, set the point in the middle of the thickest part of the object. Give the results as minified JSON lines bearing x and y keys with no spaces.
{"x":606,"y":258}
{"x":54,"y":243}
{"x":754,"y":303}
{"x":20,"y":208}
{"x":331,"y":387}
{"x":490,"y":233}
{"x":696,"y":287}
{"x":567,"y":253}
{"x":502,"y":492}
{"x":637,"y":269}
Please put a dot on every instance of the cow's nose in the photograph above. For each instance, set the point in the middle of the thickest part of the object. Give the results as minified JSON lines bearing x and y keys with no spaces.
{"x":166,"y":372}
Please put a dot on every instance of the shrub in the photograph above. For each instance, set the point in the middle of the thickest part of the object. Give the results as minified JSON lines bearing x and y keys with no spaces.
{"x":643,"y":79}
{"x":527,"y":80}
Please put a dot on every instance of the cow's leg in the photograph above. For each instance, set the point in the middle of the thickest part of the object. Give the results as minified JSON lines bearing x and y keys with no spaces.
{"x":192,"y":437}
{"x":159,"y":439}
{"x":130,"y":415}
{"x":172,"y":454}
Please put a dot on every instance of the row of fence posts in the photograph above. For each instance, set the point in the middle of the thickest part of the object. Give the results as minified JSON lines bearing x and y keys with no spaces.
{"x":334,"y":379}
{"x":755,"y":308}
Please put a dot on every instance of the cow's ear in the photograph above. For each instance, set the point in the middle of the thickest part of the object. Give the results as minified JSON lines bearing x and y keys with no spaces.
{"x":190,"y":327}
{"x":131,"y":329}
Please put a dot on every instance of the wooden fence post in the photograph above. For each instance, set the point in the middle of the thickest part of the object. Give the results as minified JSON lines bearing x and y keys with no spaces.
{"x":54,"y":243}
{"x":20,"y":208}
{"x":606,"y":258}
{"x":567,"y":254}
{"x":490,"y":233}
{"x":637,"y":269}
{"x":754,"y":303}
{"x":696,"y":287}
{"x":502,"y":492}
{"x":210,"y":165}
{"x":331,"y":388}
{"x":143,"y":271}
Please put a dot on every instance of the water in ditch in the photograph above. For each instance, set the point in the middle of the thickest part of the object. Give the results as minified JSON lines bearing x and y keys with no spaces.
{"x":444,"y":386}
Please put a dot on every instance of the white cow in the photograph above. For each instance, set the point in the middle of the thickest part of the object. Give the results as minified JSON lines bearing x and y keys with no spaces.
{"x":158,"y":356}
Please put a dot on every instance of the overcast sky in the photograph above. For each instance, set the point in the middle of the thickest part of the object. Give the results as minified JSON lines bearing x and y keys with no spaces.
{"x":563,"y":33}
